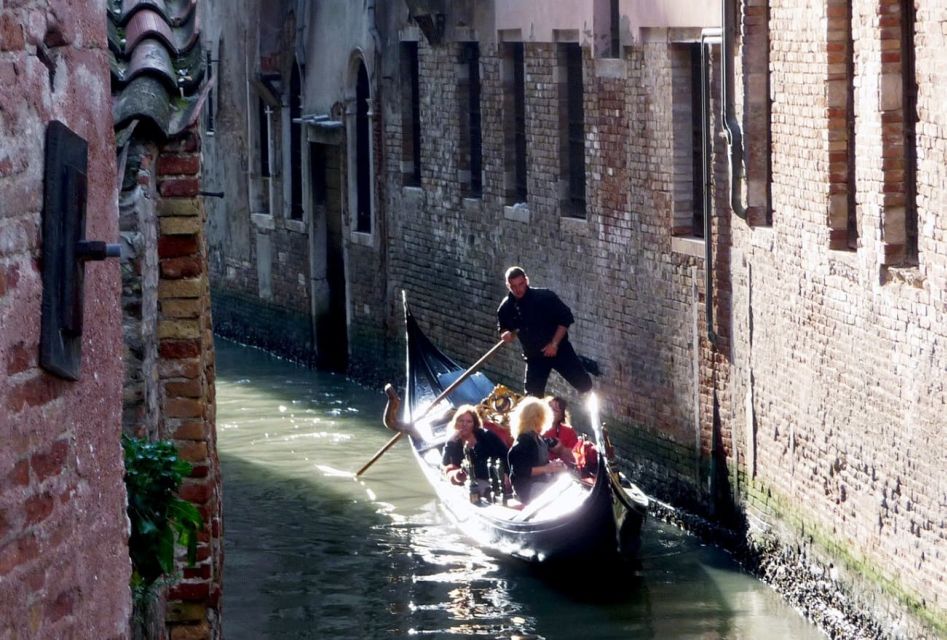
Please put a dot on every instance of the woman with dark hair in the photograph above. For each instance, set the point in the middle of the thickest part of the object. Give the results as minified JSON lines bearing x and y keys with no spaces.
{"x":469,"y":435}
{"x":561,"y":428}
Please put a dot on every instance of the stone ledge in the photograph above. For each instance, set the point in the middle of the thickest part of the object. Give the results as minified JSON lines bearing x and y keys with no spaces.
{"x":518,"y":213}
{"x":472,"y":204}
{"x":362,"y":238}
{"x":296,"y":226}
{"x":693,"y":247}
{"x":263,"y":221}
{"x":610,"y":68}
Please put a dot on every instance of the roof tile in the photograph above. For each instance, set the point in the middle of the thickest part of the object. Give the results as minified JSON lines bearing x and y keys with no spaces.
{"x":156,"y":63}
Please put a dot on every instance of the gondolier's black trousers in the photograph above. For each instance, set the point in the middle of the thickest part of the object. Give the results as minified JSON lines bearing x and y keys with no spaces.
{"x":566,"y":362}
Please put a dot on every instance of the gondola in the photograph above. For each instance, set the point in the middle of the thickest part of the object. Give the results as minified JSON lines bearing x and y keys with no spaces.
{"x":600,"y":515}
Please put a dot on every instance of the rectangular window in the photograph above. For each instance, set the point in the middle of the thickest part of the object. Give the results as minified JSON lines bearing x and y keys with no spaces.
{"x":689,"y":96}
{"x":263,"y":126}
{"x":468,"y":98}
{"x":572,"y":130}
{"x":614,"y":15}
{"x":843,"y":227}
{"x":295,"y":144}
{"x":909,"y":102}
{"x":410,"y":115}
{"x":514,"y":122}
{"x":211,"y":94}
{"x":898,"y":100}
{"x":259,"y":162}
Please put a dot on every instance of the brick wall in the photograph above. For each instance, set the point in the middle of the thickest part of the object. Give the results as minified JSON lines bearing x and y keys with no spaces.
{"x":60,"y":464}
{"x":840,"y":357}
{"x":186,"y":371}
{"x":169,"y":388}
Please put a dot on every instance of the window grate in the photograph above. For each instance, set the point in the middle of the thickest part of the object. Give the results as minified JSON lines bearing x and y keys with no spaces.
{"x":472,"y":55}
{"x":411,"y":113}
{"x":519,"y":122}
{"x":576,"y":127}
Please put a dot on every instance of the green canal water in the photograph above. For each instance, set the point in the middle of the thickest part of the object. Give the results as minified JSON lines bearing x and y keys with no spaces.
{"x":310,"y":552}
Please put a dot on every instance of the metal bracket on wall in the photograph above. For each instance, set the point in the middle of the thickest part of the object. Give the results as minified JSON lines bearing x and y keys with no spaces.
{"x":65,"y":251}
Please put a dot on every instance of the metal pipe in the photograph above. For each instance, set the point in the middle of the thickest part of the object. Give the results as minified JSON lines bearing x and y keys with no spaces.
{"x":730,"y":123}
{"x":707,"y":38}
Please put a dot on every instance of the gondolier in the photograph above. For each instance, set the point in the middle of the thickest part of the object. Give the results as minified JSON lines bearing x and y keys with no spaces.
{"x":541,"y":321}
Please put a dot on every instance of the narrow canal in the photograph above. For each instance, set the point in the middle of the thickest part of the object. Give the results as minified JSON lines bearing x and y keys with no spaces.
{"x":312,"y":553}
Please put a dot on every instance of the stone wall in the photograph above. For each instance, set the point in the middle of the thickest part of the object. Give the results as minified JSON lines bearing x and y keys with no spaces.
{"x":61,"y":486}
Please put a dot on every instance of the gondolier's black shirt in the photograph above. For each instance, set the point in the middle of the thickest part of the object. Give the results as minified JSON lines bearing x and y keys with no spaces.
{"x":534,"y":317}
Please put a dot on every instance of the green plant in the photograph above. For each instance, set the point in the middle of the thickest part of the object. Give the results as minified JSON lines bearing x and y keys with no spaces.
{"x":153,"y":475}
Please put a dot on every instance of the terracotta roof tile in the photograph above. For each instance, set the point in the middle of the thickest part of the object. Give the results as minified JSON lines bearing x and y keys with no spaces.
{"x":156,"y":63}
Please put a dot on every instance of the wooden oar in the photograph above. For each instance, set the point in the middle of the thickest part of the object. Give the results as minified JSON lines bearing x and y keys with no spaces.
{"x":446,"y":392}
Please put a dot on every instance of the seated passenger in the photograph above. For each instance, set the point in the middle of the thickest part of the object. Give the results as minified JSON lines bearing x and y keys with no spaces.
{"x":468,"y":433}
{"x":561,"y":430}
{"x":530,"y":467}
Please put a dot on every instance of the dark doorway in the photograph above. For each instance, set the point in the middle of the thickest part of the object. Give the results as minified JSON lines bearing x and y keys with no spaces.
{"x":332,"y":345}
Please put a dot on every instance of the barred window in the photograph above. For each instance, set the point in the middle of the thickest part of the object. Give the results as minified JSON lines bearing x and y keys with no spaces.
{"x":410,"y":115}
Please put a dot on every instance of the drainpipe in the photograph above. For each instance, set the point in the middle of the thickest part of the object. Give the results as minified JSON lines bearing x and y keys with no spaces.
{"x":708,"y":37}
{"x":730,"y":123}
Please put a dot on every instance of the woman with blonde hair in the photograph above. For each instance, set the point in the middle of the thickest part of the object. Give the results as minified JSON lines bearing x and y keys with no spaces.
{"x":530,"y":467}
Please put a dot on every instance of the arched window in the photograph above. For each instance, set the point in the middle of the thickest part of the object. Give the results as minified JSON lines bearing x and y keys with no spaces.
{"x":363,"y":161}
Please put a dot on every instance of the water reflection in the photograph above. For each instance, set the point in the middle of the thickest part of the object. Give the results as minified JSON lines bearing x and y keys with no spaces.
{"x":311,"y":552}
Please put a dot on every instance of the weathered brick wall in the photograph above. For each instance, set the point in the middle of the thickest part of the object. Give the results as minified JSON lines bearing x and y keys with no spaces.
{"x":61,"y":484}
{"x":186,"y":370}
{"x":841,"y":358}
{"x":169,"y":390}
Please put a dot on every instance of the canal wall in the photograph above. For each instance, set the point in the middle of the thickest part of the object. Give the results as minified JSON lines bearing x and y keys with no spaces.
{"x":769,"y":333}
{"x":64,"y":565}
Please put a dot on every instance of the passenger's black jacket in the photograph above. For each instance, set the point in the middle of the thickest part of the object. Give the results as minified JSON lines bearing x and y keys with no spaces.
{"x":534,"y":317}
{"x":530,"y":450}
{"x":488,"y":446}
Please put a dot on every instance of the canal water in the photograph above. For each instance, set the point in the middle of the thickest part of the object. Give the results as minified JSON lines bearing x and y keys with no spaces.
{"x":311,"y":552}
